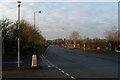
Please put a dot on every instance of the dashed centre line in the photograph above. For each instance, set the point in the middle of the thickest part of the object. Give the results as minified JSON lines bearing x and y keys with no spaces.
{"x":67,"y":74}
{"x":72,"y":77}
{"x":62,"y":71}
{"x":50,"y":64}
{"x":59,"y":69}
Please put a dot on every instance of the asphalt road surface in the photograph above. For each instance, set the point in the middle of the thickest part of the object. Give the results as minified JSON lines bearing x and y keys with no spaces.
{"x":81,"y":64}
{"x":58,"y":62}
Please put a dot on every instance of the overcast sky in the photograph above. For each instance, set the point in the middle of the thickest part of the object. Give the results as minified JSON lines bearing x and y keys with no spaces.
{"x":59,"y":19}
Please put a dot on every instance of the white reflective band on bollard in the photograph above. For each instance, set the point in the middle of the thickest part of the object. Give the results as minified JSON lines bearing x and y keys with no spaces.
{"x":34,"y":61}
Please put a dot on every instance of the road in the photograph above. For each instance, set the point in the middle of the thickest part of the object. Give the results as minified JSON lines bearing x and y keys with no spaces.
{"x":58,"y":62}
{"x":81,"y":64}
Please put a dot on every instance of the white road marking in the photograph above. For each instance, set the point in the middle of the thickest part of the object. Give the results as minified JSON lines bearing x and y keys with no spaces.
{"x":72,"y":77}
{"x":63,"y":71}
{"x":59,"y":69}
{"x":67,"y":74}
{"x":49,"y":66}
{"x":56,"y":67}
{"x":47,"y":48}
{"x":45,"y":62}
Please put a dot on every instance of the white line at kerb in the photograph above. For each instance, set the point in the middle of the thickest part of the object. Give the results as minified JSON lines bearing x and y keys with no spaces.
{"x":47,"y":48}
{"x":60,"y":69}
{"x":46,"y":59}
{"x":45,"y":62}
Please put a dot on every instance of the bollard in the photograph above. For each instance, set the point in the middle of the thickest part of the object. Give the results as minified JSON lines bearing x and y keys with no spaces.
{"x":34,"y":61}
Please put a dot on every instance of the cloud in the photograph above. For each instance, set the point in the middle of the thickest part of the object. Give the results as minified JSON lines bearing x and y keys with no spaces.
{"x":82,"y":17}
{"x":61,"y":0}
{"x":8,"y":11}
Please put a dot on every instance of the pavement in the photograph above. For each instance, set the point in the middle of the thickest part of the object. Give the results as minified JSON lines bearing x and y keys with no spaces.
{"x":58,"y":62}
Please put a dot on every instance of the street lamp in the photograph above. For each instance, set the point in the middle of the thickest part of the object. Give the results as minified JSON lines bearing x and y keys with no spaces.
{"x":34,"y":17}
{"x":18,"y":3}
{"x":34,"y":23}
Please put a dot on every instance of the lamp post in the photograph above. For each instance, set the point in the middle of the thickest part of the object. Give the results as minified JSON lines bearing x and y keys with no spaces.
{"x":34,"y":25}
{"x":34,"y":17}
{"x":18,"y":3}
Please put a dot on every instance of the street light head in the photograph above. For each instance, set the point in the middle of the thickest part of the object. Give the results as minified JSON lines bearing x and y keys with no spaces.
{"x":18,"y":3}
{"x":39,"y":11}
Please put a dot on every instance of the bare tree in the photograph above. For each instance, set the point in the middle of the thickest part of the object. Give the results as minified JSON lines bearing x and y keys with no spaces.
{"x":74,"y":36}
{"x":112,"y":35}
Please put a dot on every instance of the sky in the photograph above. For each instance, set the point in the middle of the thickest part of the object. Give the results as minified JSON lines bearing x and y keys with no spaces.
{"x":59,"y":19}
{"x":60,"y":0}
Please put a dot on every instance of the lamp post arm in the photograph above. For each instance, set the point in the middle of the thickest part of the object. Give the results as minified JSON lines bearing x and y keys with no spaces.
{"x":34,"y":20}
